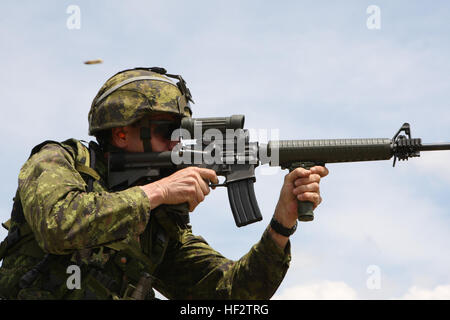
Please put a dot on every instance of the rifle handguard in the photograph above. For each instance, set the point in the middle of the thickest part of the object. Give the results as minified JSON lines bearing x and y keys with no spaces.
{"x":244,"y":206}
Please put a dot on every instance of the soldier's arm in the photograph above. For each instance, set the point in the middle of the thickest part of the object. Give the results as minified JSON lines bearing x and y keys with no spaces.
{"x":64,"y":217}
{"x":192,"y":269}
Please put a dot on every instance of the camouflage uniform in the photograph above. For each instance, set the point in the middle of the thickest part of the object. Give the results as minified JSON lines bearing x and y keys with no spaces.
{"x":117,"y":239}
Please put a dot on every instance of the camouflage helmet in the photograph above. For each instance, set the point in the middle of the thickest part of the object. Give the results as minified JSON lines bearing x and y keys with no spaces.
{"x":131,"y":94}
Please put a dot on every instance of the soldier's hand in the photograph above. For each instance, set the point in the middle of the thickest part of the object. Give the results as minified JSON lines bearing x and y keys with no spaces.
{"x":189,"y":185}
{"x":300,"y":184}
{"x":303,"y":185}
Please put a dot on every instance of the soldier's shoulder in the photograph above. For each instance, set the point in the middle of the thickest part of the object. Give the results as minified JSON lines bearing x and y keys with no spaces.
{"x":72,"y":149}
{"x":48,"y":156}
{"x":77,"y":148}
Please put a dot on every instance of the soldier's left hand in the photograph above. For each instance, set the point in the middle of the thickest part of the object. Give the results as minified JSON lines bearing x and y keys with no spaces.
{"x":300,"y":184}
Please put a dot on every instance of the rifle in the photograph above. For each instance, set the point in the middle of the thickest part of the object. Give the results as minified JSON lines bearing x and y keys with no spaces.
{"x":236,"y":158}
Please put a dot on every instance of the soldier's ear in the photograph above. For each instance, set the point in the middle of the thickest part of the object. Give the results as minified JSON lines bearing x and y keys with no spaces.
{"x":119,"y":137}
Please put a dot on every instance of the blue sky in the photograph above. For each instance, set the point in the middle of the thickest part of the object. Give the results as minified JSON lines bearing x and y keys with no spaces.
{"x":309,"y":69}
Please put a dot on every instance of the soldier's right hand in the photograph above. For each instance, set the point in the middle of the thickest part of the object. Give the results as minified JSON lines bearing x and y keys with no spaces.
{"x":189,"y":185}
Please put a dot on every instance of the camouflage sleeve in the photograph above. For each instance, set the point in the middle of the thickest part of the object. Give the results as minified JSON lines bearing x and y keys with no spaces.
{"x":63,"y":216}
{"x":194,"y":270}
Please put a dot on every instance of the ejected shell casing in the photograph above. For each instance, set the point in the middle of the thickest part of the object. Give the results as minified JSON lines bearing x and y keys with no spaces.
{"x":97,"y":61}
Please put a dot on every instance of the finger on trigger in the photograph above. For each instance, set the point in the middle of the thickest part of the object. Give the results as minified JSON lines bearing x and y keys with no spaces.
{"x":209,"y":175}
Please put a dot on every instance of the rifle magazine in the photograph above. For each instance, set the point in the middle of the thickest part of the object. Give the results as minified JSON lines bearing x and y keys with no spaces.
{"x":244,"y":206}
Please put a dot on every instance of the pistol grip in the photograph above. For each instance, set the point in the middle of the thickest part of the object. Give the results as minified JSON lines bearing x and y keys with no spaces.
{"x":305,"y":208}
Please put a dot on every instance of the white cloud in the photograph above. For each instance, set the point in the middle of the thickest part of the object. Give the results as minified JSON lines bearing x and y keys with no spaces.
{"x":441,"y":292}
{"x":339,"y":290}
{"x":324,"y":290}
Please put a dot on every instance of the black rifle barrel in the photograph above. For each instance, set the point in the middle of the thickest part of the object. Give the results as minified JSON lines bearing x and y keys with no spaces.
{"x":434,"y":146}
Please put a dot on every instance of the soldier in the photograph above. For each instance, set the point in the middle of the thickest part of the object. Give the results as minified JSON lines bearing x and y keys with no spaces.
{"x":127,"y":242}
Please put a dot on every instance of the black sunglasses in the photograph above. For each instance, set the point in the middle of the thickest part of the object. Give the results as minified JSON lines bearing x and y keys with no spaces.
{"x":165,"y":128}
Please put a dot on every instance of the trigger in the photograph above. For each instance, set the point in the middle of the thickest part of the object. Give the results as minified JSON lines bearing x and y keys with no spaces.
{"x":223,"y":184}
